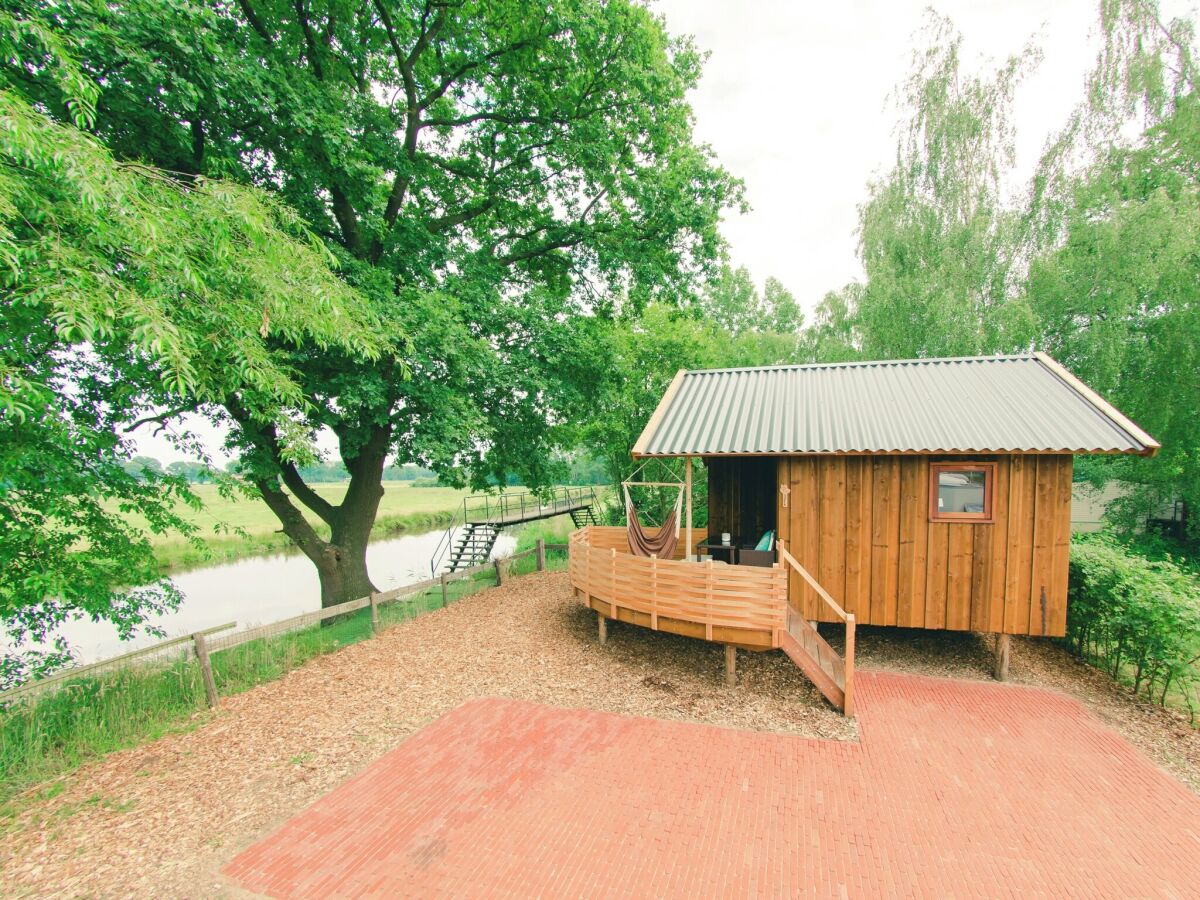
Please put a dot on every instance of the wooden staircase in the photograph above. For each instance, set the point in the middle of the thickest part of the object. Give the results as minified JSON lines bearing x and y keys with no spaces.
{"x":474,"y":546}
{"x":831,"y":674}
{"x":817,"y":660}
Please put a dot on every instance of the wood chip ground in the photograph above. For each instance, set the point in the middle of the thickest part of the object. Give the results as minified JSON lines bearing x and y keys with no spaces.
{"x":160,"y":819}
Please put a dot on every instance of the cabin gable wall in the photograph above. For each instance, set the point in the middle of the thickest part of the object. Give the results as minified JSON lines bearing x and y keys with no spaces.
{"x":861,"y":526}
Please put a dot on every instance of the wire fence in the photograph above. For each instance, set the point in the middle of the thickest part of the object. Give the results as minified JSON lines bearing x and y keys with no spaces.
{"x":312,"y":633}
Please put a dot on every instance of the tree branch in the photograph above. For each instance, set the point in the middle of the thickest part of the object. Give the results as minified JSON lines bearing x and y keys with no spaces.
{"x":255,"y":22}
{"x":160,"y":419}
{"x":267,"y":438}
{"x":295,"y":526}
{"x":310,"y":40}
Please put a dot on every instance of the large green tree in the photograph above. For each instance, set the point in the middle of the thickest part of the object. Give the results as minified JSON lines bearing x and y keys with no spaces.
{"x":485,"y":171}
{"x":124,"y":290}
{"x":1115,"y":278}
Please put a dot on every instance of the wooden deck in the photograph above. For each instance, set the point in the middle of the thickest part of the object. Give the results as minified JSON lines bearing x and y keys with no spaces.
{"x":739,"y":606}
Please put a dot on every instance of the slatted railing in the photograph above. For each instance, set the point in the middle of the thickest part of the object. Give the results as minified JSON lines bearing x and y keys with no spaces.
{"x":832,"y":674}
{"x":716,"y":596}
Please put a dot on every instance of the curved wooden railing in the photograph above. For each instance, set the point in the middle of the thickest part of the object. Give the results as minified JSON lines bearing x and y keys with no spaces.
{"x":832,"y":674}
{"x":744,"y":605}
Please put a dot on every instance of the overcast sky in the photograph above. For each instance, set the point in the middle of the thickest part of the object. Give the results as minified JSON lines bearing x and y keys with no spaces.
{"x":795,"y":101}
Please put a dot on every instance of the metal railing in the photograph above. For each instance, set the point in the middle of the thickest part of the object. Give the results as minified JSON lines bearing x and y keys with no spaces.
{"x":510,"y":509}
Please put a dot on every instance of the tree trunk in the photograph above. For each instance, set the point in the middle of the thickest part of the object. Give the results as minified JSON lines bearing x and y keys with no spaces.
{"x":342,"y":569}
{"x":341,"y":562}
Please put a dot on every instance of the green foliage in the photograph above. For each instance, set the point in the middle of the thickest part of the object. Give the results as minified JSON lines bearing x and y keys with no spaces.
{"x":123,"y":290}
{"x":1136,"y":618}
{"x":641,"y":355}
{"x":936,"y":239}
{"x":734,"y":304}
{"x":485,"y":172}
{"x":1119,"y":304}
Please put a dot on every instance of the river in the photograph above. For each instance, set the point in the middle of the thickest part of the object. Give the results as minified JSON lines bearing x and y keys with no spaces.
{"x":261,"y":590}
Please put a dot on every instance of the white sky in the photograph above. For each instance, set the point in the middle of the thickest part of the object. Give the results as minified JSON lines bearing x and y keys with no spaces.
{"x":795,"y":101}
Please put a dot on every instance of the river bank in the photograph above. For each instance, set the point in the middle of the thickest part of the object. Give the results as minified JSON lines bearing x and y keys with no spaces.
{"x":233,"y":528}
{"x":110,"y":709}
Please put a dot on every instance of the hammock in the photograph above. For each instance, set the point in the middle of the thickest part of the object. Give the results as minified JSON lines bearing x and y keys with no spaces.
{"x":662,"y":544}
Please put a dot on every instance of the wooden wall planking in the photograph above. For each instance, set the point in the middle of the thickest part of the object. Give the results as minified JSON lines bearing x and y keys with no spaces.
{"x":861,"y":524}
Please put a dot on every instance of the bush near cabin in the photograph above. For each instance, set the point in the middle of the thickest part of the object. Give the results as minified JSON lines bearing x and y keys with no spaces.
{"x":1137,"y":618}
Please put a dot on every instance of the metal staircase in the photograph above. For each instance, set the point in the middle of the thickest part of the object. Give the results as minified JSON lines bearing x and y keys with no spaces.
{"x":472,"y":534}
{"x":585,"y":516}
{"x":474,"y":546}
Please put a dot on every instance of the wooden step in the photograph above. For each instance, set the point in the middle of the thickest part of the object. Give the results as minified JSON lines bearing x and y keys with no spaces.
{"x":815,"y":658}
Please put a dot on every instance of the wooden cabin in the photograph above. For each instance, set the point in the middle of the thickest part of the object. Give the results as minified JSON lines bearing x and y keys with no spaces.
{"x":922,"y":494}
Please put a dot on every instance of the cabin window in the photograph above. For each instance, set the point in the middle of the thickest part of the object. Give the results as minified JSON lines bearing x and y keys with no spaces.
{"x":961,"y":492}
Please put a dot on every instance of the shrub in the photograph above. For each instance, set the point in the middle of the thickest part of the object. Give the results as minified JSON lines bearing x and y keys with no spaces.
{"x":1138,"y":618}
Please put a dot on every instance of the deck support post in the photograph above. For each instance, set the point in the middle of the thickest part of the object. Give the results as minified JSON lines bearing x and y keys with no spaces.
{"x":1003,"y":651}
{"x":730,"y":665}
{"x":688,"y":549}
{"x":602,"y":623}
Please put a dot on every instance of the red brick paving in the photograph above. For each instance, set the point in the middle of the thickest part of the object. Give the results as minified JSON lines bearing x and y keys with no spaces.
{"x":957,"y":789}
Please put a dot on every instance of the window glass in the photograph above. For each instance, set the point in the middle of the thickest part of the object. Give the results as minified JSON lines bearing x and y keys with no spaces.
{"x":961,"y":492}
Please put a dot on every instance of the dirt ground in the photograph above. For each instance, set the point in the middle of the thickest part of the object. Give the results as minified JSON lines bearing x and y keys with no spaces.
{"x":160,"y":819}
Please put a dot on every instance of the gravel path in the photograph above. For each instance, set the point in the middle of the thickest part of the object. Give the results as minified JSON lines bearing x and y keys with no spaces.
{"x":160,"y":819}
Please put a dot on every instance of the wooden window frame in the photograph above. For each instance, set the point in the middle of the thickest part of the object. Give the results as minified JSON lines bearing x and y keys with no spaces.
{"x":989,"y":482}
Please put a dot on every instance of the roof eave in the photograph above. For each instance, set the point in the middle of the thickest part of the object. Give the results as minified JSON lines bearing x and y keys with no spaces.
{"x":1149,"y":445}
{"x":639,"y":446}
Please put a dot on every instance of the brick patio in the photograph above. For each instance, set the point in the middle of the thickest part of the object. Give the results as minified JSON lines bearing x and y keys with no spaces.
{"x":957,"y":789}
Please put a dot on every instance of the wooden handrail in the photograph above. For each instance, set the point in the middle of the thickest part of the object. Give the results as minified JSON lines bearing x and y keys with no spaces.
{"x":847,"y":618}
{"x":814,"y":584}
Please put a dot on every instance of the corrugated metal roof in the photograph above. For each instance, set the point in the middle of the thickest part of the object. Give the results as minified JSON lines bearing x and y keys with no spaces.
{"x":992,"y":404}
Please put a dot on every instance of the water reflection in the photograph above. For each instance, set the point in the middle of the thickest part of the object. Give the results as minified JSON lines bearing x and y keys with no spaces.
{"x":262,"y":590}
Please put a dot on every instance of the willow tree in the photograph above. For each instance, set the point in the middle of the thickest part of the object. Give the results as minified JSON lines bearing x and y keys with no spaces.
{"x":937,"y":238}
{"x":1114,"y":228}
{"x":485,"y":171}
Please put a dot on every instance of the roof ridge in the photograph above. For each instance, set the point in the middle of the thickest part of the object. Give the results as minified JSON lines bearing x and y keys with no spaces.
{"x":870,"y":363}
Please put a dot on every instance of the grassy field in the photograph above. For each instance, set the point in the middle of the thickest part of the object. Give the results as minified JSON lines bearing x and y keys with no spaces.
{"x":232,"y":529}
{"x":110,"y":710}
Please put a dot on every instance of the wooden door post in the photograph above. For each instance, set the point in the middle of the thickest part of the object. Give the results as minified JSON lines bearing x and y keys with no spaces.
{"x":687,"y":486}
{"x":1003,"y":651}
{"x":206,"y":672}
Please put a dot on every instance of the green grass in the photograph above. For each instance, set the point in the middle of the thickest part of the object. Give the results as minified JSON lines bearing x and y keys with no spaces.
{"x":234,"y":529}
{"x":99,"y":713}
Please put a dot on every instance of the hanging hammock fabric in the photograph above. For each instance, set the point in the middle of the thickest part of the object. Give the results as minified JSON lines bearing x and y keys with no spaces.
{"x":662,"y":544}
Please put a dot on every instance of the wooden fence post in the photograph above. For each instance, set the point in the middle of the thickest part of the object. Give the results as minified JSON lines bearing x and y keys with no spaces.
{"x":210,"y":684}
{"x":444,"y":578}
{"x":730,"y":665}
{"x":541,"y":554}
{"x":374,"y":613}
{"x":499,"y":573}
{"x":1003,"y":651}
